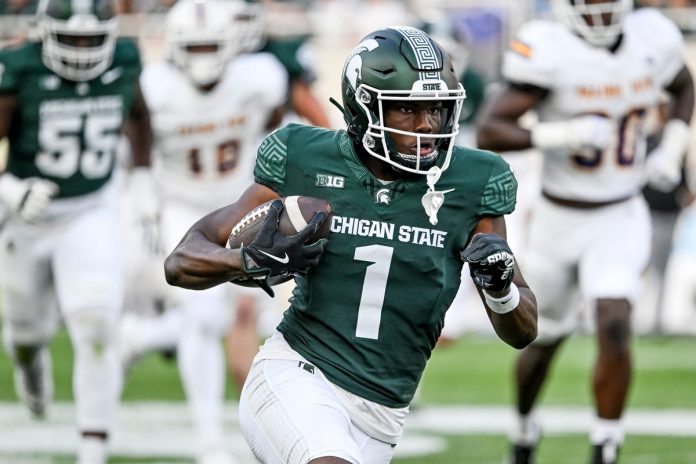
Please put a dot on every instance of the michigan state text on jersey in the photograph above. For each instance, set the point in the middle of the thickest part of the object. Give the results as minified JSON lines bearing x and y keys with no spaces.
{"x":354,"y":327}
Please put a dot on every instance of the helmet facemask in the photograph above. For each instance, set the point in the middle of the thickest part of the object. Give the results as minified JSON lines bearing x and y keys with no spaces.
{"x":203,"y":36}
{"x":377,"y":139}
{"x":202,"y":60}
{"x":600,"y":24}
{"x":80,"y":48}
{"x":401,"y":64}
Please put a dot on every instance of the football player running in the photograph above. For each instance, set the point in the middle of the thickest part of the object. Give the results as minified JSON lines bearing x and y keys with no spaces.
{"x":64,"y":102}
{"x":590,"y":76}
{"x":334,"y":383}
{"x":211,"y":104}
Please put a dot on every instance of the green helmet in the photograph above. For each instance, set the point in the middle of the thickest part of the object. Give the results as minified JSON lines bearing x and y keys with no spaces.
{"x":400,"y":63}
{"x":78,"y":37}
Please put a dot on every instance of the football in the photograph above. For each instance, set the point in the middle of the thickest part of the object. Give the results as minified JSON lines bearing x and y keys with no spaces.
{"x":296,"y":214}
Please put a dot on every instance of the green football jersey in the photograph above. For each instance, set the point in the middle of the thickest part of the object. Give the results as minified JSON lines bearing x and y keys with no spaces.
{"x":370,"y":314}
{"x":65,"y":131}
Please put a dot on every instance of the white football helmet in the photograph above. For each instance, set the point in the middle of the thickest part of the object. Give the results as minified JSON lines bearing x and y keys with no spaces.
{"x":600,"y":23}
{"x":78,"y":38}
{"x":227,"y":27}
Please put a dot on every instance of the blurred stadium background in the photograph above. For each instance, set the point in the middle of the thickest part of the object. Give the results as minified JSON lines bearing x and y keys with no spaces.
{"x":463,"y":411}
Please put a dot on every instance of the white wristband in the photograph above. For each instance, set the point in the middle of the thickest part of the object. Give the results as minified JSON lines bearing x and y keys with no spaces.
{"x":549,"y":135}
{"x":506,"y":303}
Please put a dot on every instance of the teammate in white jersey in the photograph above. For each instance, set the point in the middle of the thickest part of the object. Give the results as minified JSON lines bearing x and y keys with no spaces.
{"x":211,"y":104}
{"x":591,"y":76}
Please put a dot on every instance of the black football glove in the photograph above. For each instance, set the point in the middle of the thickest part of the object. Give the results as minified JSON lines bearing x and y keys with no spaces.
{"x":491,"y":262}
{"x":272,"y":253}
{"x":262,"y":282}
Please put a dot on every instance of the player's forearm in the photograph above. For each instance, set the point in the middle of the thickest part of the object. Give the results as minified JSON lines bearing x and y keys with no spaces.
{"x":500,"y":134}
{"x":138,"y":129}
{"x":8,"y":105}
{"x":517,"y":328}
{"x":140,"y":137}
{"x":681,"y":92}
{"x":307,"y":106}
{"x":197,"y":263}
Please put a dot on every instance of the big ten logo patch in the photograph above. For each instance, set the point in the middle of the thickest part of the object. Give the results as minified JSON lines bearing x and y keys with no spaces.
{"x":325,"y":180}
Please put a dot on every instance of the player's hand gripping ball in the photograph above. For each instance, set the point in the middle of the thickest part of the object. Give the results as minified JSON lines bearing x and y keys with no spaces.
{"x":284,"y":236}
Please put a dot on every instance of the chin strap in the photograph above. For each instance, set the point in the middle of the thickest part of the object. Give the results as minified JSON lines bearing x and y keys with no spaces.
{"x":433,"y":200}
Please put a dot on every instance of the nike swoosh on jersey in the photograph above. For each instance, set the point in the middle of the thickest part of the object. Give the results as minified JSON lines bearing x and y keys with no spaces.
{"x":284,"y":260}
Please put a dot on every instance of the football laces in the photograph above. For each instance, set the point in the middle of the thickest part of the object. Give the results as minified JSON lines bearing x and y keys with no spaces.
{"x":250,"y":217}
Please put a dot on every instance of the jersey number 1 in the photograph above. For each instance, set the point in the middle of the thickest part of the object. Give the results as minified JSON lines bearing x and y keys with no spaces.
{"x":374,"y":288}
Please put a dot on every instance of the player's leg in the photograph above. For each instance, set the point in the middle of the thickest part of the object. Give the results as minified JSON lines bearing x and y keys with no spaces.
{"x":549,"y":267}
{"x":610,"y":275}
{"x":678,"y":305}
{"x":29,"y":312}
{"x":253,"y":308}
{"x":611,"y":379}
{"x":144,"y":326}
{"x":242,"y":340}
{"x":291,"y":415}
{"x":200,"y":352}
{"x":143,"y":332}
{"x":201,"y":360}
{"x":88,"y":271}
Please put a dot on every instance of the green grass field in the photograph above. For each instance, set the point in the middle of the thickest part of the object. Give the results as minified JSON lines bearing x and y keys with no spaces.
{"x":476,"y":371}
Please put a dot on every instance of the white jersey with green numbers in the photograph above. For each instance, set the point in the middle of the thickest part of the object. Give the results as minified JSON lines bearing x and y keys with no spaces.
{"x":370,"y":314}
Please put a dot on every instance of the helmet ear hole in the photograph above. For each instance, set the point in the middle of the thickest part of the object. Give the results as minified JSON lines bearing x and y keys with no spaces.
{"x":364,"y":96}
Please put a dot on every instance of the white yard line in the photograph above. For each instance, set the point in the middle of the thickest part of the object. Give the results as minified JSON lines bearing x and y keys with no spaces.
{"x":158,"y":429}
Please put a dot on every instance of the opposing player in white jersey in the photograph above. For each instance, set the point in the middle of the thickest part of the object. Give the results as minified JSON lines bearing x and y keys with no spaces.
{"x":590,"y":77}
{"x":210,"y":104}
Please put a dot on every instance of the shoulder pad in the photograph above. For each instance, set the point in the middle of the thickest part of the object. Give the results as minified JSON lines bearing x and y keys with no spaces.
{"x":268,"y":77}
{"x":15,"y":62}
{"x":535,"y":54}
{"x":664,"y":41}
{"x":155,"y":82}
{"x":127,"y":52}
